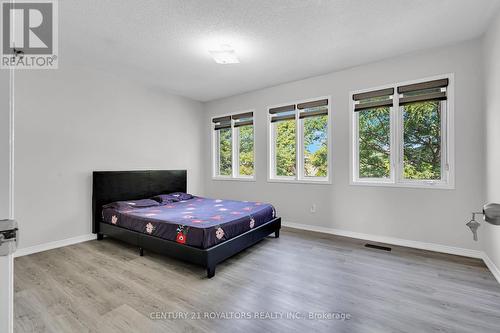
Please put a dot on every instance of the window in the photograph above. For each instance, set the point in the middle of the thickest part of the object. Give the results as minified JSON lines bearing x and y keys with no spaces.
{"x":401,"y":135}
{"x":233,"y":140}
{"x":285,"y":147}
{"x":245,"y":149}
{"x":374,"y":143}
{"x":315,"y":145}
{"x":373,"y":112}
{"x":299,"y":142}
{"x":225,"y":151}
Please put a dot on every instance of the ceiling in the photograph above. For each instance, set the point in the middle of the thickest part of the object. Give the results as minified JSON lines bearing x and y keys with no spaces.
{"x":165,"y":43}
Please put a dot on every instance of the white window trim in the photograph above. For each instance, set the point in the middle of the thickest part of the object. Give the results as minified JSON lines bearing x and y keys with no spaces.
{"x":235,"y":162}
{"x":396,"y":177}
{"x":299,"y":178}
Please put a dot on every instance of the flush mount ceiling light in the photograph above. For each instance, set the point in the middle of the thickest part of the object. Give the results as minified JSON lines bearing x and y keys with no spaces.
{"x":224,"y":55}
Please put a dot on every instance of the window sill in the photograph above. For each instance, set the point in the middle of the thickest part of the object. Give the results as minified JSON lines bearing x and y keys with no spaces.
{"x":300,"y":181}
{"x":240,"y":179}
{"x":422,"y":185}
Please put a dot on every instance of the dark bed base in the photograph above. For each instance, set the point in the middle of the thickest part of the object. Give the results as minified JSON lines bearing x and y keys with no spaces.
{"x":207,"y":258}
{"x":110,"y":186}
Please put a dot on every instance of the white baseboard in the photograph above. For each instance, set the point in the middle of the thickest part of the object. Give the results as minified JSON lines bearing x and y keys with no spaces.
{"x":391,"y":240}
{"x":492,"y":267}
{"x":53,"y":245}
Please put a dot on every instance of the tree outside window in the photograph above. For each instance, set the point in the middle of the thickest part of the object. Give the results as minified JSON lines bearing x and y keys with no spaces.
{"x":285,"y":148}
{"x":316,"y":146}
{"x":246,"y":150}
{"x":225,"y":152}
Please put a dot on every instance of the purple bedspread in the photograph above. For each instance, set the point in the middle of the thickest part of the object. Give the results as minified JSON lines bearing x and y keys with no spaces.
{"x":198,"y":222}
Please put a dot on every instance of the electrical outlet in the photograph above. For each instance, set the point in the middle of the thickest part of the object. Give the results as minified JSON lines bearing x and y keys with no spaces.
{"x":313,"y":208}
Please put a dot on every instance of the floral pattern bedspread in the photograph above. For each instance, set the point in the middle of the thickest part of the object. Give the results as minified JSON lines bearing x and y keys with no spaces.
{"x":199,"y":222}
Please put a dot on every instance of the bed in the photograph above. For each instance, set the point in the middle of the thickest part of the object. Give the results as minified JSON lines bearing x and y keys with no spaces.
{"x":151,"y":210}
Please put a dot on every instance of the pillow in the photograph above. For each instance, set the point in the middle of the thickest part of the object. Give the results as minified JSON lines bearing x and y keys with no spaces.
{"x":164,"y":199}
{"x":181,"y":196}
{"x":143,"y":203}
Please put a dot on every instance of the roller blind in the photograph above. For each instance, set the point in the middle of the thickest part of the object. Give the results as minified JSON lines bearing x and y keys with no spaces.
{"x":282,"y":113}
{"x":307,"y":109}
{"x":313,"y":109}
{"x":222,"y":122}
{"x":282,"y":109}
{"x":373,"y":99}
{"x":243,"y":119}
{"x":423,"y":86}
{"x":242,"y":115}
{"x":240,"y":119}
{"x":435,"y":90}
{"x":313,"y":104}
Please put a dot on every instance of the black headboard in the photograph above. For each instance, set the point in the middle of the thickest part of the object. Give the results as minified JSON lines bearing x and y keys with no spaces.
{"x":110,"y":186}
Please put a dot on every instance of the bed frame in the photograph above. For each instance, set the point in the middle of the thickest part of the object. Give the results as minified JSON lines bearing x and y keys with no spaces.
{"x":110,"y":186}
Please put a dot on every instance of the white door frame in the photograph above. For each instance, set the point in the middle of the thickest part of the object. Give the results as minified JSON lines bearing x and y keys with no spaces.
{"x":7,"y":262}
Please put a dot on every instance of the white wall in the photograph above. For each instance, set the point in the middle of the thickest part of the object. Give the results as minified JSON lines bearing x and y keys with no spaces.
{"x":491,"y":239}
{"x":426,"y":215}
{"x":74,"y":120}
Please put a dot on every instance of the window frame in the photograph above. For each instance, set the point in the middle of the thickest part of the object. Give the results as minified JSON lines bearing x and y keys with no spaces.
{"x":235,"y":150}
{"x":299,"y":177}
{"x":396,"y":178}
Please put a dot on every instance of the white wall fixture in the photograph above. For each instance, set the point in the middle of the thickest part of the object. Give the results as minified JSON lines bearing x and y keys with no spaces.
{"x":8,"y":237}
{"x":491,"y":214}
{"x":224,"y":55}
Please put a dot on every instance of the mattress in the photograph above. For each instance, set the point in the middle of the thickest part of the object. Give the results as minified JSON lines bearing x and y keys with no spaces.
{"x":198,"y":222}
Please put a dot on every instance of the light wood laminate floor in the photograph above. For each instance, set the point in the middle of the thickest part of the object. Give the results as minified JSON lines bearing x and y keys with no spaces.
{"x":106,"y":287}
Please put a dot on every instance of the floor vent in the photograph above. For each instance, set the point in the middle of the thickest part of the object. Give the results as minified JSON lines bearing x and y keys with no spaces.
{"x":378,"y":247}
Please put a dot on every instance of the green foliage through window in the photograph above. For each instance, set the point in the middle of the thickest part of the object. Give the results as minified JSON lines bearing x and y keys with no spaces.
{"x":246,"y":162}
{"x":225,"y":152}
{"x":285,"y":148}
{"x":422,"y":140}
{"x":316,"y":146}
{"x":374,"y":129}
